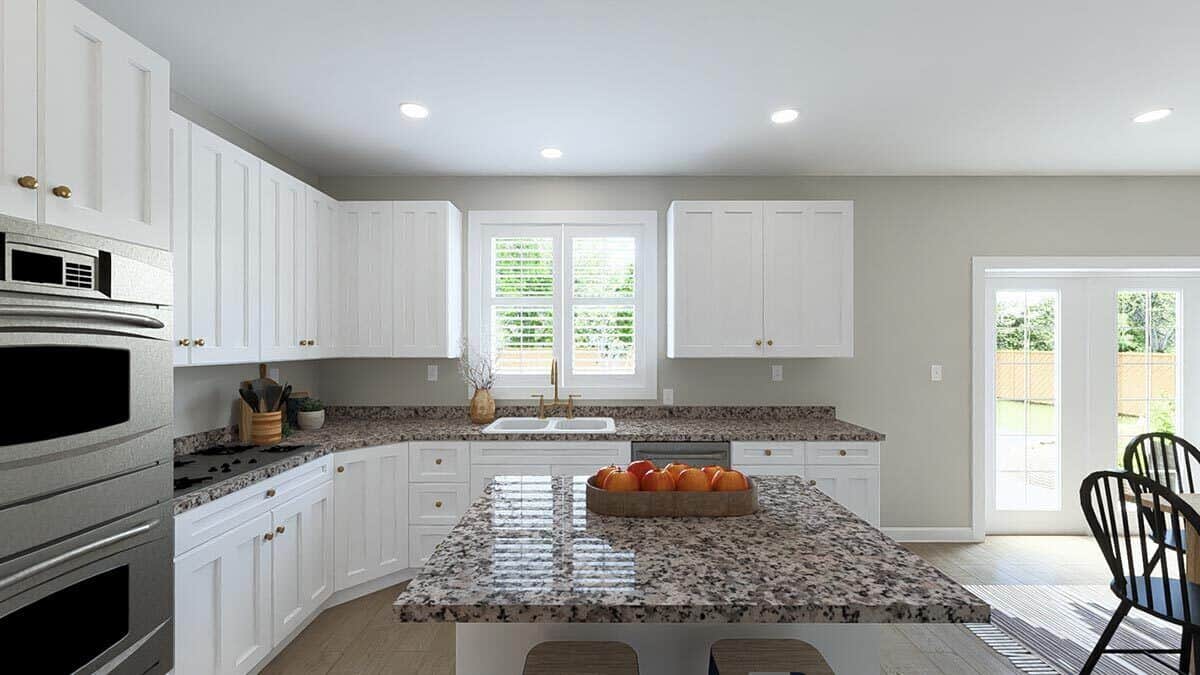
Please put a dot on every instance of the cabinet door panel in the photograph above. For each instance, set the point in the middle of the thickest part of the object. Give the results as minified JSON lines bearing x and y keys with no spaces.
{"x":106,"y":110}
{"x":391,"y":498}
{"x":18,"y":107}
{"x":325,"y":216}
{"x":715,"y":277}
{"x":302,"y":559}
{"x":428,"y":270}
{"x":181,"y":236}
{"x":284,"y":265}
{"x":856,"y":488}
{"x":224,"y":251}
{"x":371,"y":508}
{"x":808,"y":277}
{"x":365,"y":279}
{"x":223,"y":602}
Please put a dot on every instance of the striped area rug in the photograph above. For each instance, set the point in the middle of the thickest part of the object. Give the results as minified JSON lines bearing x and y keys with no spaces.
{"x":1056,"y":627}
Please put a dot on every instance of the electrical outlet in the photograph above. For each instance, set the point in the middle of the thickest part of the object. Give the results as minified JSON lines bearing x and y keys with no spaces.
{"x":777,"y":373}
{"x":935,"y":373}
{"x":431,"y":373}
{"x":668,"y":397}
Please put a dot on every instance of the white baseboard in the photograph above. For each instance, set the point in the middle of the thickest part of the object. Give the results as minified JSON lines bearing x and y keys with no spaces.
{"x":914,"y":535}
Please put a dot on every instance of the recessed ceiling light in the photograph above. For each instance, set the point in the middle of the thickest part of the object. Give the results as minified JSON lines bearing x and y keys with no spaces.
{"x":784,"y":116}
{"x":1153,"y":115}
{"x":551,"y":153}
{"x":414,"y":110}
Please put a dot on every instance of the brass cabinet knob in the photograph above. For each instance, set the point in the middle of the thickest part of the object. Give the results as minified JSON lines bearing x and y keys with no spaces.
{"x":758,"y":343}
{"x":304,"y":343}
{"x":438,"y":460}
{"x":341,"y":469}
{"x":842,"y":453}
{"x":767,"y":452}
{"x":271,"y":492}
{"x":812,"y":482}
{"x":312,"y":343}
{"x":268,"y":536}
{"x":27,"y":182}
{"x":437,"y":504}
{"x":62,"y":191}
{"x":279,"y":529}
{"x":199,"y":342}
{"x":770,"y":342}
{"x":184,"y":342}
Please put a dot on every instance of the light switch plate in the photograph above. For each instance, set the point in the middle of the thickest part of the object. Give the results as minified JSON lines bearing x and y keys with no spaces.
{"x":935,"y":373}
{"x":777,"y":373}
{"x":431,"y":373}
{"x":668,"y":397}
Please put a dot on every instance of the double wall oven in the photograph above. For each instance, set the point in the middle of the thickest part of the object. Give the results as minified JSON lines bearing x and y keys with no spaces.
{"x":85,"y":455}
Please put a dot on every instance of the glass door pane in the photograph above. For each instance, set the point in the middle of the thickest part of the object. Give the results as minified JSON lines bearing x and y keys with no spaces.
{"x":1147,"y":364}
{"x":1026,"y":441}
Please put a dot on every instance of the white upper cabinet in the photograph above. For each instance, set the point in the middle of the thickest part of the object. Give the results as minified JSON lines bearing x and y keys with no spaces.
{"x":18,"y":109}
{"x":364,"y":283}
{"x":105,"y":109}
{"x":427,"y":269}
{"x":181,"y":235}
{"x":287,"y":245}
{"x":223,"y":251}
{"x":808,"y":278}
{"x":714,"y":271}
{"x":760,"y":279}
{"x":322,"y":283}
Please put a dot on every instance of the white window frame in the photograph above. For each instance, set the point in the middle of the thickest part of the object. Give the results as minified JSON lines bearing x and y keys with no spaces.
{"x":643,"y":225}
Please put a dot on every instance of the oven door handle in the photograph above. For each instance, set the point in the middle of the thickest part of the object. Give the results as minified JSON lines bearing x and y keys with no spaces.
{"x":97,"y":315}
{"x":75,"y":553}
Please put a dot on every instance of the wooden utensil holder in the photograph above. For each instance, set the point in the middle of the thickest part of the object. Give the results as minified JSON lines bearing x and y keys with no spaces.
{"x":266,"y":428}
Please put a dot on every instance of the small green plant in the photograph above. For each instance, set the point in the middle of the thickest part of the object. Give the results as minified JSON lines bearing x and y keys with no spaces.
{"x":311,"y":405}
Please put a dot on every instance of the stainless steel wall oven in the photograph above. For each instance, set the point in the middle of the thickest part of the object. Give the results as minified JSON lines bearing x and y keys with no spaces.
{"x":85,"y":454}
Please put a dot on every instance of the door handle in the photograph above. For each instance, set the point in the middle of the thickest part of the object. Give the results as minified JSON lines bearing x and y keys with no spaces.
{"x":81,"y":314}
{"x":77,"y":552}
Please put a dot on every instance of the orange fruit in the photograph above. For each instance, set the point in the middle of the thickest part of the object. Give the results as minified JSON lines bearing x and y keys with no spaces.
{"x":692,"y":480}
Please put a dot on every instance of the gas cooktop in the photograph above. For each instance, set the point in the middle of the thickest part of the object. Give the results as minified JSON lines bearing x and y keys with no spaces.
{"x":219,"y":462}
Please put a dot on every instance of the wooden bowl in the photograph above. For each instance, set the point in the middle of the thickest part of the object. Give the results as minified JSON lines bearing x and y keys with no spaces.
{"x":672,"y":504}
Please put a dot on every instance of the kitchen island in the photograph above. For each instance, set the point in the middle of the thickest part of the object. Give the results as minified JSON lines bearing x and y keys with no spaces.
{"x":529,"y":563}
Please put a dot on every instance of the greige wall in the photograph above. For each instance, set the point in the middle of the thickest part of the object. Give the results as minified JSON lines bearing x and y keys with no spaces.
{"x":914,"y":239}
{"x":234,"y":134}
{"x":205,"y":395}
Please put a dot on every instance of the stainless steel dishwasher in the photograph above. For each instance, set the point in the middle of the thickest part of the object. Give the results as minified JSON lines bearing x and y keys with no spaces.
{"x":696,"y":453}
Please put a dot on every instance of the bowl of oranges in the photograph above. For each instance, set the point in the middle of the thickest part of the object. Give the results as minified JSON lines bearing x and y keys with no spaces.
{"x":643,"y":490}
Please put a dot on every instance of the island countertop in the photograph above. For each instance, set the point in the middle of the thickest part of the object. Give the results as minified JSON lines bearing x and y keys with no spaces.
{"x":529,"y":551}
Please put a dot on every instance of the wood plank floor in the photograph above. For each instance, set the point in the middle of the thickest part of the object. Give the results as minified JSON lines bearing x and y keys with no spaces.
{"x":360,"y":636}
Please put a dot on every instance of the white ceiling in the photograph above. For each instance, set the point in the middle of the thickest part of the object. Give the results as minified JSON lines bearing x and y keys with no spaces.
{"x":686,"y":86}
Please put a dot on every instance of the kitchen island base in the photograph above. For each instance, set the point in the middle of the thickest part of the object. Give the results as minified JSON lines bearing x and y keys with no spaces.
{"x":662,"y":648}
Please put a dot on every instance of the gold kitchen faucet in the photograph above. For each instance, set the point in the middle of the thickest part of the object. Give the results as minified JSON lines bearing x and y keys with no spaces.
{"x":568,"y":406}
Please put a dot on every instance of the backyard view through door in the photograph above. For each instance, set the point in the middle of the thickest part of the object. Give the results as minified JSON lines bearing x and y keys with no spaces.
{"x":1077,"y":366}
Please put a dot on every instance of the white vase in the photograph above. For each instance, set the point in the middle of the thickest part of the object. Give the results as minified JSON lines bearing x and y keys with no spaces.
{"x":313,"y":419}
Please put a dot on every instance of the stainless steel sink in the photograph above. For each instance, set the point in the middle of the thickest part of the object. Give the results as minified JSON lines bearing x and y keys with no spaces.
{"x":551,"y":425}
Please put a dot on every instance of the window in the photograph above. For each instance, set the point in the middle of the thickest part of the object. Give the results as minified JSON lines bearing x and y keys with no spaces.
{"x":579,"y":287}
{"x":1146,"y":369}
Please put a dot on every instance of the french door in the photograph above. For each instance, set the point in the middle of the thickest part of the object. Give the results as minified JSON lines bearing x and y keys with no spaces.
{"x":1077,"y":364}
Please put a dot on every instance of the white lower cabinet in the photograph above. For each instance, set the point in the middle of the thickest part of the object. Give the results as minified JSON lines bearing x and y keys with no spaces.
{"x":855,"y":487}
{"x":422,"y":539}
{"x":370,"y":494}
{"x":301,"y":559}
{"x":223,"y":602}
{"x":437,"y":503}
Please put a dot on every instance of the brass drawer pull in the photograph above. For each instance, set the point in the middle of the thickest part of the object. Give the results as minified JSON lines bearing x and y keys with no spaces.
{"x":341,"y":469}
{"x":279,"y":529}
{"x":770,"y":343}
{"x":271,"y":492}
{"x":437,"y":504}
{"x":842,"y":453}
{"x":812,"y":482}
{"x":185,"y":342}
{"x":199,"y":342}
{"x":767,"y":452}
{"x":28,"y":182}
{"x":438,"y":460}
{"x":62,"y":192}
{"x":758,"y":343}
{"x":269,"y":536}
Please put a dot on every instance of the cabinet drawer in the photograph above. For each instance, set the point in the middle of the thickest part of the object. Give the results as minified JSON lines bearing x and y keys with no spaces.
{"x":597,"y":453}
{"x":770,"y":469}
{"x":831,"y":453}
{"x":438,"y":462}
{"x":422,"y":539}
{"x":206,"y":521}
{"x":437,"y":503}
{"x":766,"y":452}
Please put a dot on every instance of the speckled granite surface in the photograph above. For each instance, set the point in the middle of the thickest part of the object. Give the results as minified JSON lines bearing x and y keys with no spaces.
{"x":529,"y":551}
{"x":186,"y":445}
{"x":744,"y":412}
{"x":371,"y":426}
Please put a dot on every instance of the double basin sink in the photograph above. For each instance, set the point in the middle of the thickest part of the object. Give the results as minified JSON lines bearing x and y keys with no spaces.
{"x":551,"y":425}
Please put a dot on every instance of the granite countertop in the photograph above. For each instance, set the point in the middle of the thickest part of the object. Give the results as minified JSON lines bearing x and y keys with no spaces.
{"x":529,"y":551}
{"x":348,"y":428}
